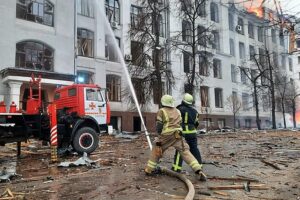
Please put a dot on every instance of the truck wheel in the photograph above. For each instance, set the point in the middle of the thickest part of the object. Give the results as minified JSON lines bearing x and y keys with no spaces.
{"x":86,"y":140}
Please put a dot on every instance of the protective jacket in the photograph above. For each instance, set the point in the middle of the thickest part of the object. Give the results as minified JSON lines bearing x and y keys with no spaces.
{"x":168,"y":121}
{"x":190,"y":118}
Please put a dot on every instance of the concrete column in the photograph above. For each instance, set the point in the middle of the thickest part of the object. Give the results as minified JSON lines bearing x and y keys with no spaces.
{"x":14,"y":94}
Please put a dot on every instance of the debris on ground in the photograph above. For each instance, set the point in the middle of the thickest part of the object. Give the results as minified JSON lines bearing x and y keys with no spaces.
{"x":8,"y":194}
{"x":84,"y":160}
{"x":6,"y":175}
{"x":127,"y":135}
{"x":230,"y":159}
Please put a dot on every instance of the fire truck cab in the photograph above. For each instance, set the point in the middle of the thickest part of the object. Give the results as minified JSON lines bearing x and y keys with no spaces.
{"x":82,"y":113}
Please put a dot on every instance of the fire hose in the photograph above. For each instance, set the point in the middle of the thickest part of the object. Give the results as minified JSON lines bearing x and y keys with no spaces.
{"x":191,"y":190}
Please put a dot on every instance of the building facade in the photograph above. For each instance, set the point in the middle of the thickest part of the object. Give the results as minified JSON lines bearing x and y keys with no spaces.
{"x":70,"y":41}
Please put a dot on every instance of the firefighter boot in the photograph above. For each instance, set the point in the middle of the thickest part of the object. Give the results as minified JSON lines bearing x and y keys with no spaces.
{"x":201,"y":176}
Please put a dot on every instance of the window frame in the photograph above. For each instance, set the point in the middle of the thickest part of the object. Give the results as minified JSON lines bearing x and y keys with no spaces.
{"x":33,"y":52}
{"x":90,"y":38}
{"x":218,"y":104}
{"x":114,"y":8}
{"x":31,"y":15}
{"x":114,"y":84}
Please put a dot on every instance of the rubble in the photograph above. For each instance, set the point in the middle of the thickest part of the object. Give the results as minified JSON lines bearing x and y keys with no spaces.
{"x":84,"y":160}
{"x":122,"y":166}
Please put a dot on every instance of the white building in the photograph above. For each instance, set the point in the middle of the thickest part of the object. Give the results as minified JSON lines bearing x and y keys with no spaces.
{"x":66,"y":42}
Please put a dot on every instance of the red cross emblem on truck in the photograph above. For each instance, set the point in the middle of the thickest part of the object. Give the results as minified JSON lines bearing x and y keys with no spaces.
{"x":92,"y":105}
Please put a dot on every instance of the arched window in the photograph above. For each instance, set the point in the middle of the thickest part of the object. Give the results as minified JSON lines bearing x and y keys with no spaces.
{"x":39,"y":11}
{"x":34,"y":55}
{"x":113,"y":84}
{"x":214,"y":12}
{"x":112,"y":8}
{"x":85,"y":42}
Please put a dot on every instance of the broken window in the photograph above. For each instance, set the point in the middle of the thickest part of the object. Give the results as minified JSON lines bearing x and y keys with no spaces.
{"x":240,"y":26}
{"x":251,"y":30}
{"x":161,"y":24}
{"x":202,"y":37}
{"x":112,"y":8}
{"x":245,"y":101}
{"x":204,"y":96}
{"x":260,"y":34}
{"x":290,"y":64}
{"x":203,"y":66}
{"x":252,"y":52}
{"x":161,"y":56}
{"x":242,"y":50}
{"x":218,"y":98}
{"x":233,"y":73}
{"x":187,"y":62}
{"x":217,"y":68}
{"x":139,"y":87}
{"x":273,"y":35}
{"x":231,"y":45}
{"x":281,"y":39}
{"x":84,"y":77}
{"x":85,"y":42}
{"x":136,"y":17}
{"x":113,"y":84}
{"x":186,"y":31}
{"x":39,"y":11}
{"x":230,"y":20}
{"x":85,"y":7}
{"x":34,"y":55}
{"x":247,"y":123}
{"x":265,"y":103}
{"x":214,"y":12}
{"x":201,"y":8}
{"x":216,"y":40}
{"x":221,"y":123}
{"x":283,"y":62}
{"x":261,"y":57}
{"x":110,"y":52}
{"x":244,"y":75}
{"x":137,"y":52}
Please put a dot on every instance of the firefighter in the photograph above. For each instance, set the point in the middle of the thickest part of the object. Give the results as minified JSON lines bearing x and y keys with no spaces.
{"x":189,"y":124}
{"x":168,"y":126}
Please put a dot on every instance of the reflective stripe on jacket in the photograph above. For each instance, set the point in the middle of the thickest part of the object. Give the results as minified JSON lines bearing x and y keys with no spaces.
{"x":171,"y":119}
{"x":190,"y":118}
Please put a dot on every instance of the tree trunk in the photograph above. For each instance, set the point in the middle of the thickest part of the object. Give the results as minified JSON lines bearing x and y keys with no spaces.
{"x":272,"y":90}
{"x":156,"y":54}
{"x":283,"y":113}
{"x":233,"y":122}
{"x":256,"y":107}
{"x":294,"y":112}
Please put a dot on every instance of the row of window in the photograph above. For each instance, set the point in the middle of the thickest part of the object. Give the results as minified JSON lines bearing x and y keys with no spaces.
{"x":260,"y":34}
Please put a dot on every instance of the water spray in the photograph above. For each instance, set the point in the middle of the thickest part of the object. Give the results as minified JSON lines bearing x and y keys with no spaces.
{"x":120,"y":56}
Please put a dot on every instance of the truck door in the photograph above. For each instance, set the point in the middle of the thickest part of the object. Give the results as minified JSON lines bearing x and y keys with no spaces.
{"x":95,"y":104}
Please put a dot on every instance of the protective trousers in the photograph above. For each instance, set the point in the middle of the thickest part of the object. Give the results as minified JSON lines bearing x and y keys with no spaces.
{"x":191,"y":140}
{"x":176,"y":141}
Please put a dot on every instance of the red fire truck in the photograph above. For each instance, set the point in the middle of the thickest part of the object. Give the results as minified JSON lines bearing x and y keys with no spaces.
{"x":81,"y":112}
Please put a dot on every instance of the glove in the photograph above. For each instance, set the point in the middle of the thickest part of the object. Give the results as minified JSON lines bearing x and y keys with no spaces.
{"x":158,"y":151}
{"x":201,"y":176}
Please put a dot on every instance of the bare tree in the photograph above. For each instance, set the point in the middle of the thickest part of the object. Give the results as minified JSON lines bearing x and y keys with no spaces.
{"x":149,"y":63}
{"x":192,"y":40}
{"x":255,"y":75}
{"x":282,"y":85}
{"x":234,"y":105}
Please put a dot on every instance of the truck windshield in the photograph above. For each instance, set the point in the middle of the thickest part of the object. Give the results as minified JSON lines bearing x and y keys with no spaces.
{"x":93,"y":95}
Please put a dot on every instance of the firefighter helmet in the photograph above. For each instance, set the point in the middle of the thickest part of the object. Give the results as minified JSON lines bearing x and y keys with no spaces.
{"x":188,"y":99}
{"x":167,"y":100}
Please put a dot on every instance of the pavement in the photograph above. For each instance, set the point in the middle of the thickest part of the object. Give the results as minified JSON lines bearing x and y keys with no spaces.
{"x":267,"y":159}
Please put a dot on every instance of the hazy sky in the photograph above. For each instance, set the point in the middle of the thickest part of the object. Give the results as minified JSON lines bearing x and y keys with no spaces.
{"x":291,"y":7}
